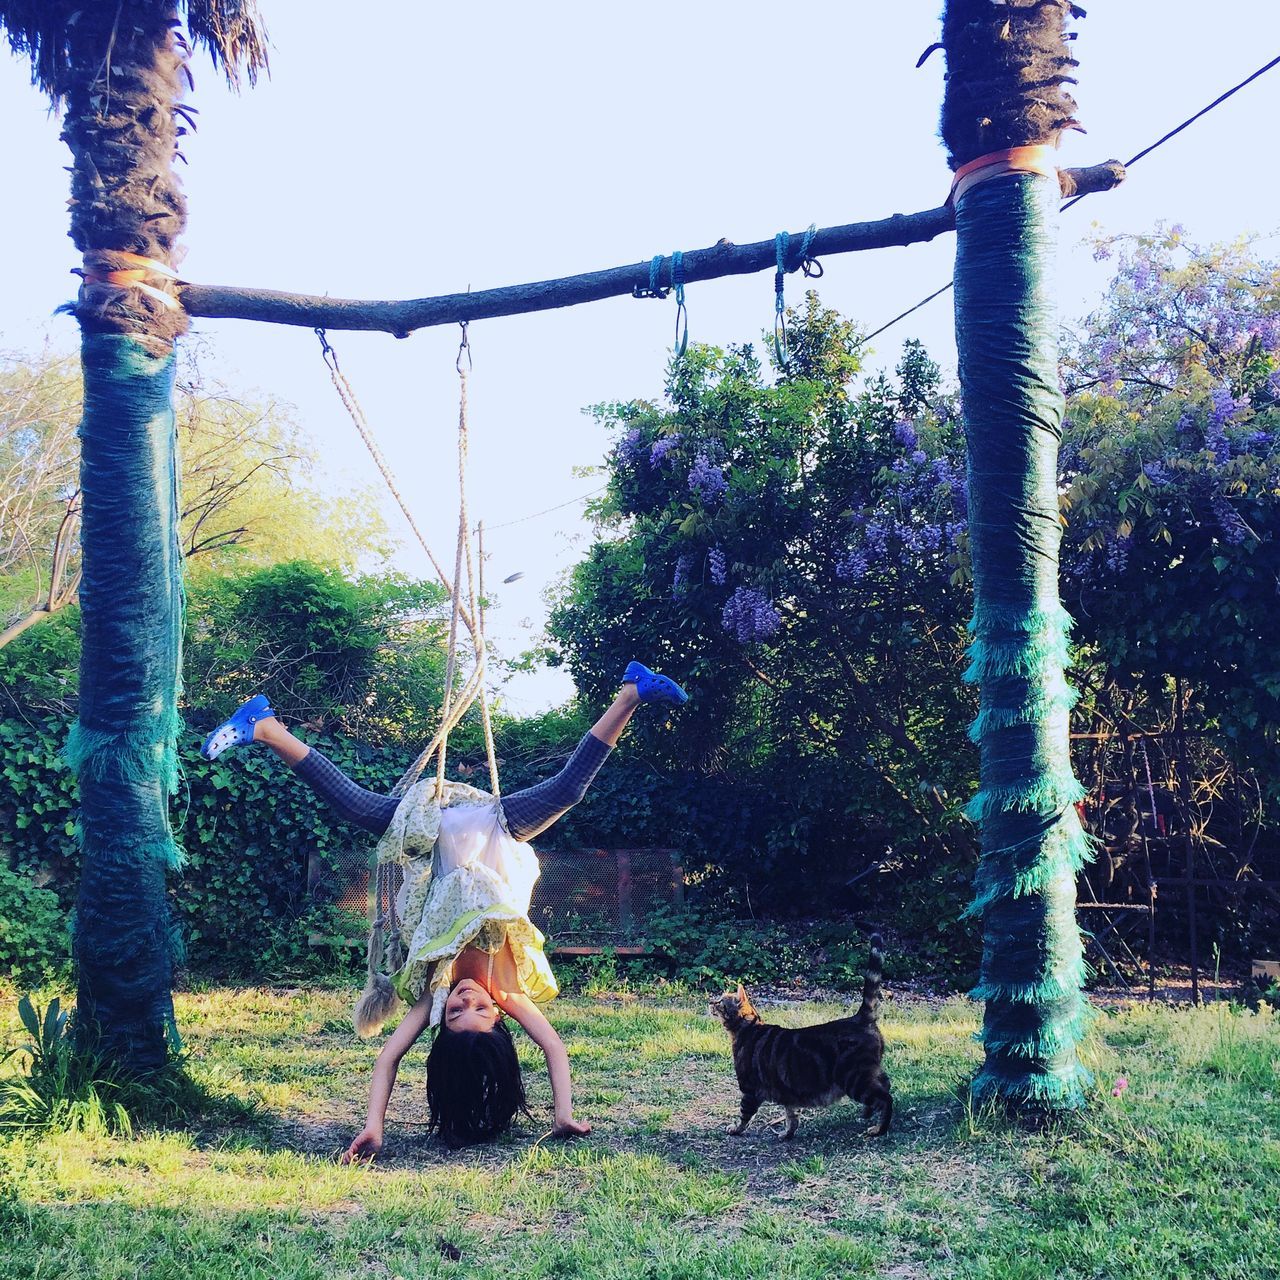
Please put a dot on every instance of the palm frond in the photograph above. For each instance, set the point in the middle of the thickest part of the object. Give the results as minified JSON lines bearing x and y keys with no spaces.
{"x":40,"y":30}
{"x":233,"y":33}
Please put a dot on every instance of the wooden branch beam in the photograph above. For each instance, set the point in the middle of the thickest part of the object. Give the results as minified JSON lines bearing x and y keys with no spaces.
{"x":222,"y":302}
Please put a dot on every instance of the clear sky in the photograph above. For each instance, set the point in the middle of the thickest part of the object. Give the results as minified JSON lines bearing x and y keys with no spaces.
{"x":436,"y":148}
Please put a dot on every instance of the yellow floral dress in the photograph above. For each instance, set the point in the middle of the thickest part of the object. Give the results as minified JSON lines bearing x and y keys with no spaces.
{"x":467,"y":882}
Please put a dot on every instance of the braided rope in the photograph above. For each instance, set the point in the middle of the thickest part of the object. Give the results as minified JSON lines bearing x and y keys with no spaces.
{"x":347,"y":395}
{"x":464,"y":545}
{"x":485,"y":720}
{"x":470,"y":614}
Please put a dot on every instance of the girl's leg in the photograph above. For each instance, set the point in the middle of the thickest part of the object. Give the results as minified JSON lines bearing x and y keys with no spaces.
{"x":533,"y":810}
{"x":351,"y":802}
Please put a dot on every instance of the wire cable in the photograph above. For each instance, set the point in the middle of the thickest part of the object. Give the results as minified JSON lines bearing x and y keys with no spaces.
{"x":546,"y":511}
{"x":1146,"y":151}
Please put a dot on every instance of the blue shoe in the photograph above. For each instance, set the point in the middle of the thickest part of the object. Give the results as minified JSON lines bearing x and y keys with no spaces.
{"x":238,"y":729}
{"x":652,"y":687}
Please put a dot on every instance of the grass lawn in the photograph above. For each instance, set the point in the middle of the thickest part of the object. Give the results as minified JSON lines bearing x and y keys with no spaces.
{"x":1180,"y":1176}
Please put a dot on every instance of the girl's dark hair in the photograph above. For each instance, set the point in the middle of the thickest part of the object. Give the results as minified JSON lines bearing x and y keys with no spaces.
{"x":474,"y":1085}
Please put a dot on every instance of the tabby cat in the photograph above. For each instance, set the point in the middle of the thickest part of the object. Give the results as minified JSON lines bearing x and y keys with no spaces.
{"x":810,"y":1066}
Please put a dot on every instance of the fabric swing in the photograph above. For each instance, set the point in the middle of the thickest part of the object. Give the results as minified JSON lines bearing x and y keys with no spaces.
{"x":401,"y":869}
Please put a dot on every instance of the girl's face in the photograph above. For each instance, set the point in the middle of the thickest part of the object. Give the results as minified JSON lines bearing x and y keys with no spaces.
{"x":470,"y":1007}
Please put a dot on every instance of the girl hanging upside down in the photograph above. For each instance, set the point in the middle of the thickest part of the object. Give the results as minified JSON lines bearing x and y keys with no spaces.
{"x":471,"y":952}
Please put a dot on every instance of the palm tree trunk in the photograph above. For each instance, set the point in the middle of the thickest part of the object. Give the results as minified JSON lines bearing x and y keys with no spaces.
{"x":121,"y":89}
{"x":1006,"y":66}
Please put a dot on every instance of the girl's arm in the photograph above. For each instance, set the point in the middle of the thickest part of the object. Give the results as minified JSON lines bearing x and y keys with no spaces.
{"x":543,"y":1034}
{"x":368,"y":1142}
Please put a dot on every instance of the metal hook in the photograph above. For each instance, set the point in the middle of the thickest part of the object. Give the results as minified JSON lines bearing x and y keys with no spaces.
{"x":464,"y":346}
{"x":327,"y":352}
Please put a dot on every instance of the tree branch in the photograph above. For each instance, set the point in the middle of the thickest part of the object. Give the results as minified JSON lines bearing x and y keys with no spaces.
{"x":15,"y":629}
{"x":722,"y":259}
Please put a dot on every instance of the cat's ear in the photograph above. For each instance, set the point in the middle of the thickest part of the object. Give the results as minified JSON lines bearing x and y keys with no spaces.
{"x":742,"y":994}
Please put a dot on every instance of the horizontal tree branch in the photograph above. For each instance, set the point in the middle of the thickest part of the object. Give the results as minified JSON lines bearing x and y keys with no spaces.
{"x":15,"y":629}
{"x":723,"y":259}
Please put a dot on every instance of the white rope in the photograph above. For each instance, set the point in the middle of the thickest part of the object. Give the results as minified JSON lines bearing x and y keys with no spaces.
{"x":347,"y":395}
{"x":484,"y":692}
{"x":471,"y":613}
{"x":464,"y":545}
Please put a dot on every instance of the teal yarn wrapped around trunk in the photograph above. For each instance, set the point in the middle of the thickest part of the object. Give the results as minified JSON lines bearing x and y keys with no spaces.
{"x":123,"y":748}
{"x":1032,"y":841}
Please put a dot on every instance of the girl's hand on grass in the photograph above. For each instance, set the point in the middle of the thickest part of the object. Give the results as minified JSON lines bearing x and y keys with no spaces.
{"x":570,"y":1129}
{"x":364,"y":1146}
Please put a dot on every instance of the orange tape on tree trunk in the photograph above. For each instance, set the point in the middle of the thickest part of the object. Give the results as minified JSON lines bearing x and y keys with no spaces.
{"x":999,"y":164}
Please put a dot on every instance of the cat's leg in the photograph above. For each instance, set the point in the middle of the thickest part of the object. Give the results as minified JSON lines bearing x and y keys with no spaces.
{"x":793,"y":1119}
{"x":750,"y":1105}
{"x":880,"y":1095}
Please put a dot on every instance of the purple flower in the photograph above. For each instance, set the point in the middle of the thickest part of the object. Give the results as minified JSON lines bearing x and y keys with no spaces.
{"x":661,"y":447}
{"x":629,"y":449}
{"x":1234,"y":529}
{"x":1156,"y":472}
{"x":1226,"y":407}
{"x":1267,"y":331}
{"x":680,"y":579}
{"x":716,"y":563}
{"x":919,"y":457}
{"x":853,"y":567}
{"x":750,"y":616}
{"x":905,"y":434}
{"x":1142,"y":275}
{"x":707,"y":480}
{"x":1116,"y":556}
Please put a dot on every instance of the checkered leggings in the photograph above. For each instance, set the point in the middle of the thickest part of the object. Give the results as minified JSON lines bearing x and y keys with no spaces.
{"x":528,"y":812}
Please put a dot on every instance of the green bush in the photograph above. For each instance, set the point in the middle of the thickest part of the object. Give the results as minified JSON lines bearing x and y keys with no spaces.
{"x":65,"y":1082}
{"x":34,"y":943}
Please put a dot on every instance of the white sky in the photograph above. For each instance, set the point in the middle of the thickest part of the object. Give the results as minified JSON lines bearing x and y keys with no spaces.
{"x":437,"y":148}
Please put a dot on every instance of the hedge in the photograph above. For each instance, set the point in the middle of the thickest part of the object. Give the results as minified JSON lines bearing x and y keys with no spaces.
{"x":248,"y":830}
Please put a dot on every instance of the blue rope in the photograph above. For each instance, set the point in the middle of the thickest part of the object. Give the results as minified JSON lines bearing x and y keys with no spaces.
{"x":682,"y":312}
{"x":781,"y":244}
{"x":805,"y":244}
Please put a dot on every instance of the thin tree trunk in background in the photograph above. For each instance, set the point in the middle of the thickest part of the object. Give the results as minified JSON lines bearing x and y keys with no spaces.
{"x":1005,"y":68}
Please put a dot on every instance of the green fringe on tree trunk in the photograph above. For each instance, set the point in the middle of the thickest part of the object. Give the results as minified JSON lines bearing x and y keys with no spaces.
{"x":1032,"y":841}
{"x":124,"y":747}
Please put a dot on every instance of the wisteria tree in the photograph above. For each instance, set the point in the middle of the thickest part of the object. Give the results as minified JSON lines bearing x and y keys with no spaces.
{"x":799,"y":549}
{"x":1171,"y":476}
{"x":791,"y":547}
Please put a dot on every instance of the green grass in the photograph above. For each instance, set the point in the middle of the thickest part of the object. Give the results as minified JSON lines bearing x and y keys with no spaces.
{"x":1180,"y":1176}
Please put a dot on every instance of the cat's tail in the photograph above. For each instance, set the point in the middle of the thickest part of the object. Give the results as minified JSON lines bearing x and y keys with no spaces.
{"x":873,"y":980}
